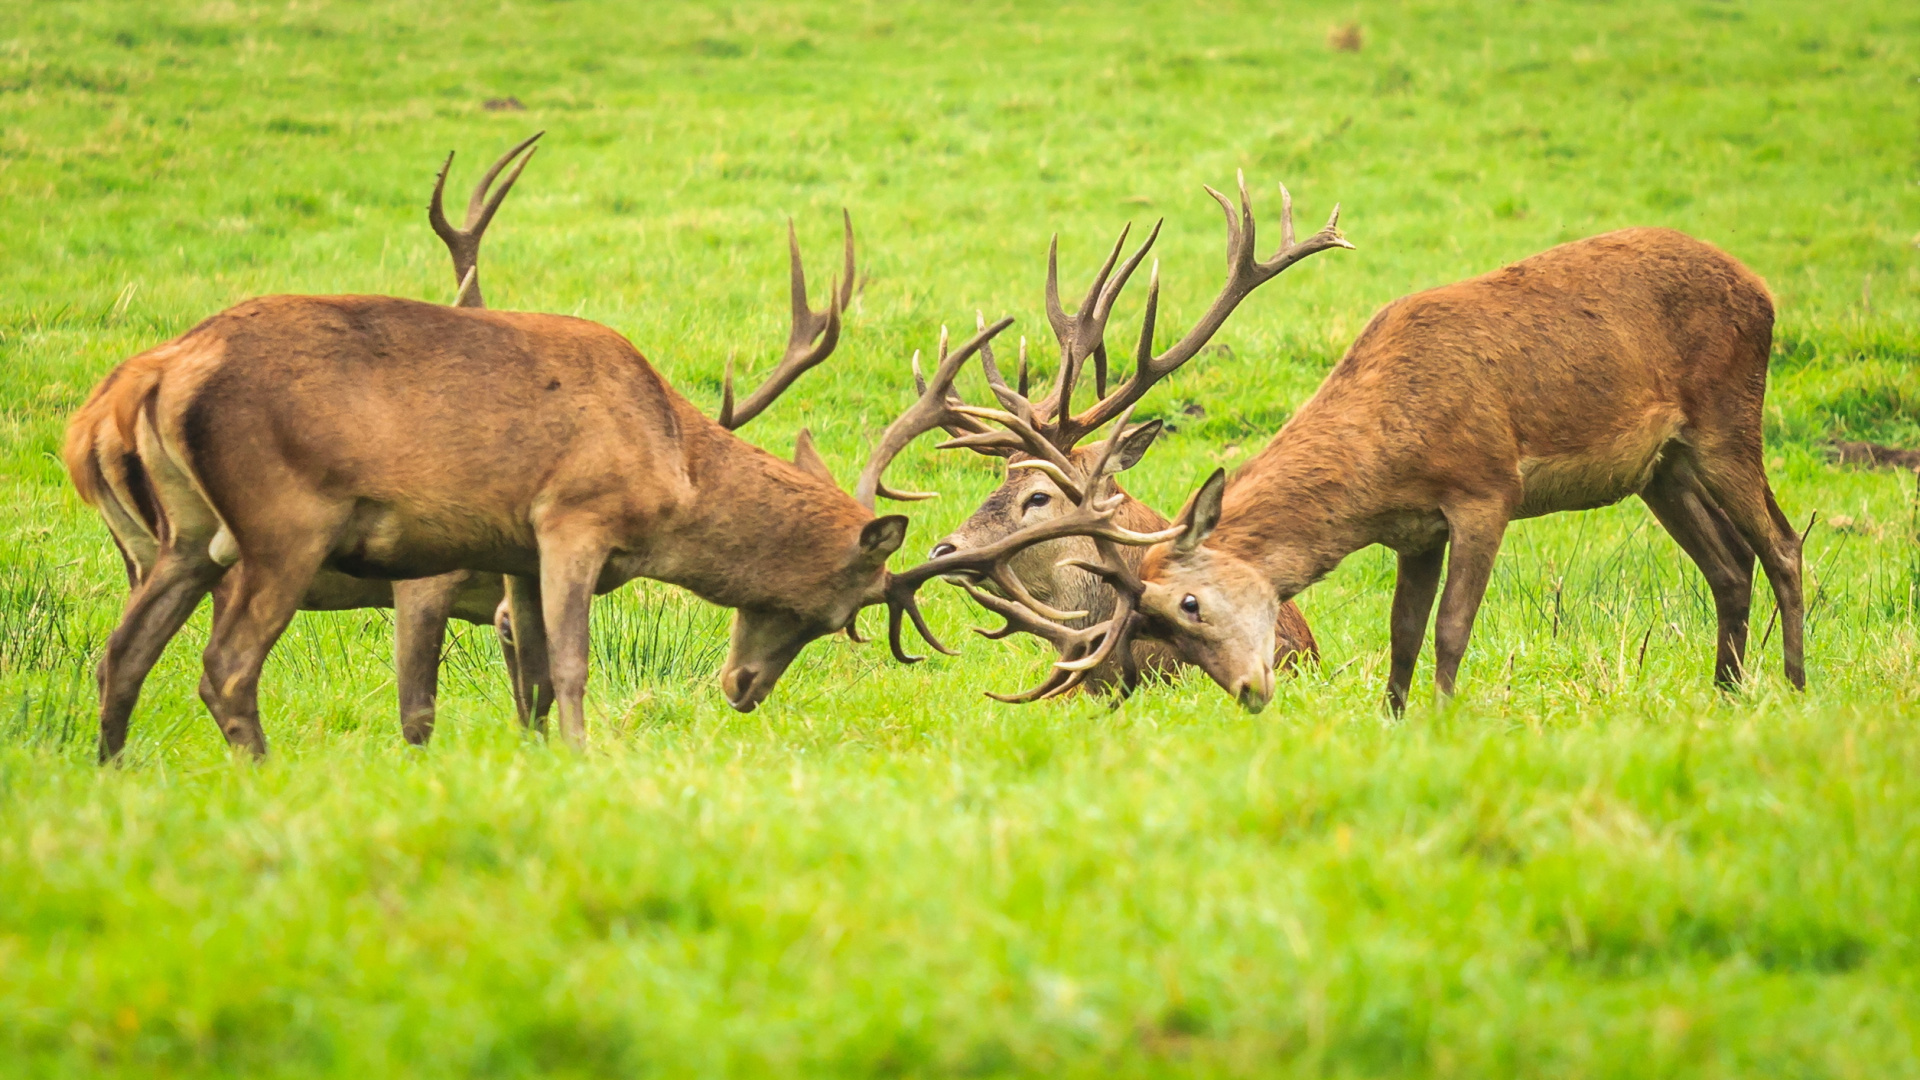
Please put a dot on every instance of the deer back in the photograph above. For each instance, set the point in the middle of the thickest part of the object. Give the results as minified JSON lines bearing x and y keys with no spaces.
{"x":449,"y":436}
{"x":1567,"y":371}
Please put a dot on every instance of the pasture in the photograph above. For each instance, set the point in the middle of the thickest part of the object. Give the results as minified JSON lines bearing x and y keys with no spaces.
{"x":1589,"y":863}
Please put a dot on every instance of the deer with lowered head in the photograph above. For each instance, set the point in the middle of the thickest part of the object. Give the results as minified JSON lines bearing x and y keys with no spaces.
{"x":390,"y":439}
{"x":107,"y":471}
{"x":1041,"y":440}
{"x":1631,"y":363}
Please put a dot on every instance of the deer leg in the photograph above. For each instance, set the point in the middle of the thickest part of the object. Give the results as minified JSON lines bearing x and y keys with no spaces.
{"x":527,"y":633}
{"x":421,"y":608}
{"x":262,"y":601}
{"x":1295,"y":647}
{"x":1413,"y":591}
{"x":1473,"y":539}
{"x":1738,"y":484}
{"x":503,"y":632}
{"x":568,"y":571}
{"x":1704,"y":533}
{"x":154,"y":614}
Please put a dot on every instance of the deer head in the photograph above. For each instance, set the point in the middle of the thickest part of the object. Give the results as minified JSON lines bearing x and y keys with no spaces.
{"x":1216,"y":611}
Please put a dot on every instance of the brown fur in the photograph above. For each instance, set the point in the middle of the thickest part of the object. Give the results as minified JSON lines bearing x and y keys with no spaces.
{"x":107,"y":471}
{"x":1630,"y":363}
{"x":1073,"y":589}
{"x":389,"y":438}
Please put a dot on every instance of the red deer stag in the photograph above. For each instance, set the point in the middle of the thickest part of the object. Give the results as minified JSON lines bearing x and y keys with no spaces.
{"x":1042,"y":439}
{"x":1629,"y":363}
{"x":390,"y":438}
{"x":109,"y":475}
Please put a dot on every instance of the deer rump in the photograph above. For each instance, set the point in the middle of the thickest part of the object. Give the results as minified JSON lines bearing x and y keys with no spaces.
{"x":101,"y":457}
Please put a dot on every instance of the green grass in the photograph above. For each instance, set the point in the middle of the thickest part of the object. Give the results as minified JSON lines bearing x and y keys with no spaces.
{"x":1587,"y":865}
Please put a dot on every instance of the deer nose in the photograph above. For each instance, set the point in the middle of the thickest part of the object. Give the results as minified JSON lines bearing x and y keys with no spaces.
{"x":941,"y":548}
{"x":742,"y":697}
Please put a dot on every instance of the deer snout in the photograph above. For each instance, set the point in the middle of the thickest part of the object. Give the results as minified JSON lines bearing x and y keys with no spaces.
{"x":941,"y":548}
{"x":1254,"y":692}
{"x":743,"y":689}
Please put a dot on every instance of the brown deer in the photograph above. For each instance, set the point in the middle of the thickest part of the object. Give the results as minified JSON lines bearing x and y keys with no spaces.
{"x":1634,"y":362}
{"x":390,"y":438}
{"x":1030,"y":494}
{"x":109,"y":475}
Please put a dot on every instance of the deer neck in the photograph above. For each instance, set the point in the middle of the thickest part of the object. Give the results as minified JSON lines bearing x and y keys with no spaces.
{"x":1298,"y":508}
{"x":748,"y":529}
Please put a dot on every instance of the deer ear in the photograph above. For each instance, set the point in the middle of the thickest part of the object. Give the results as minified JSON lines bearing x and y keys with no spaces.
{"x":1134,"y":445}
{"x":805,"y":456}
{"x":1202,"y":513}
{"x":883,"y":536}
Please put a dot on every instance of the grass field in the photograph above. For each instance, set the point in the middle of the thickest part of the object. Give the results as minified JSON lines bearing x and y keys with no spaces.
{"x":1589,"y":864}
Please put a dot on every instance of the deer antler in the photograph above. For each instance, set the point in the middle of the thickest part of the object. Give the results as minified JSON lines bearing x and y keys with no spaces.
{"x":811,"y":340}
{"x":1245,"y":273}
{"x":464,"y":243}
{"x":935,"y":408}
{"x":1092,"y":516}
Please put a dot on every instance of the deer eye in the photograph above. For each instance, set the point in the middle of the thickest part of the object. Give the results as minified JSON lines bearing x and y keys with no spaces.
{"x":1190,"y":605}
{"x":1037,"y":500}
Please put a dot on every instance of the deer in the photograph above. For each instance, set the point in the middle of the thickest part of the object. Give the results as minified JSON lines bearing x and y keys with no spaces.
{"x":107,"y":471}
{"x":1043,"y":443}
{"x":169,"y":498}
{"x":1629,"y":363}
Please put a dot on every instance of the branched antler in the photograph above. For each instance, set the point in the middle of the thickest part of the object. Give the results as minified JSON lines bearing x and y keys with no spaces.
{"x":464,"y":243}
{"x":809,"y":342}
{"x":935,"y":408}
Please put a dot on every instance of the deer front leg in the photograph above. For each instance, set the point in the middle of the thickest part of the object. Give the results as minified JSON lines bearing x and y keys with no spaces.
{"x":523,"y":639}
{"x":1474,"y":534}
{"x":420,"y":611}
{"x":1413,"y":591}
{"x":569,"y":568}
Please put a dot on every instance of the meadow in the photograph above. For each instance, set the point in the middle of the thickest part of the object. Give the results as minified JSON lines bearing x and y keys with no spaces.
{"x":1588,"y":864}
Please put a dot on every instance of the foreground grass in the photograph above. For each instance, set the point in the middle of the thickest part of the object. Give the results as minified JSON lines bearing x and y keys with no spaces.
{"x":1588,"y":865}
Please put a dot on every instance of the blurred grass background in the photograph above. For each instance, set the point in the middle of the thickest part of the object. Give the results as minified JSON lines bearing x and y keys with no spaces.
{"x":1588,"y":865}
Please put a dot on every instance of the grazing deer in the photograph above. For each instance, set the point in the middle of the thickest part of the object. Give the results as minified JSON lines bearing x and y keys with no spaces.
{"x":1634,"y":362}
{"x":107,"y":471}
{"x":395,"y":439}
{"x":1043,"y":443}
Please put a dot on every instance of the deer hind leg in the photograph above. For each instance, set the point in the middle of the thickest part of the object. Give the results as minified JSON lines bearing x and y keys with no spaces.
{"x":1703,"y":531}
{"x":264,"y":595}
{"x":154,"y":614}
{"x":1738,"y":484}
{"x":421,"y":608}
{"x":1474,"y":532}
{"x":1413,"y":591}
{"x":569,"y":568}
{"x":522,"y":626}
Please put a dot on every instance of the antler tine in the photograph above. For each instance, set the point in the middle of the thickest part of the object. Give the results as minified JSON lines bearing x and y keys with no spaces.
{"x":463,"y":244}
{"x":811,"y":338}
{"x":1057,"y":316}
{"x":1149,"y":317}
{"x":1245,"y":272}
{"x":924,"y":415}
